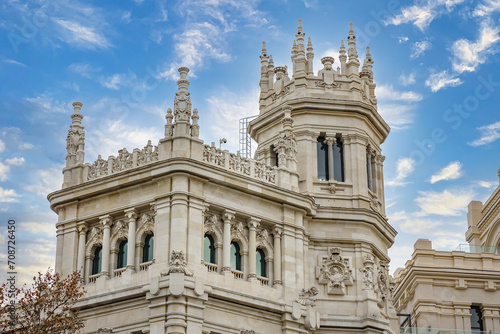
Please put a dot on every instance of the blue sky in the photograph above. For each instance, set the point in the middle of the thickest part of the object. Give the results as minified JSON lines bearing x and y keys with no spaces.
{"x":436,"y":69}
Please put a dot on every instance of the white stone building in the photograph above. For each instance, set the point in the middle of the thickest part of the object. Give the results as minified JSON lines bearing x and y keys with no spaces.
{"x":183,"y":237}
{"x":456,"y":291}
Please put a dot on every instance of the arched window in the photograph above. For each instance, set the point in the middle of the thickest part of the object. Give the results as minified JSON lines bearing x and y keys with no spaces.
{"x":122,"y":255}
{"x":235,"y":256}
{"x":147,"y":250}
{"x":209,"y":249}
{"x":96,"y":262}
{"x":261,"y":263}
{"x":322,"y":151}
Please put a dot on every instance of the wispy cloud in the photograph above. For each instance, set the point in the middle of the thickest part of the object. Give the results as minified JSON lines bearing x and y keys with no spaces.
{"x":407,"y":80}
{"x":404,"y":168}
{"x":418,"y":48}
{"x":398,"y":116}
{"x":13,"y":62}
{"x":467,"y":55}
{"x":8,"y":195}
{"x":443,"y":79}
{"x":46,"y":103}
{"x":15,"y":161}
{"x":486,"y":8}
{"x":45,"y":181}
{"x":487,"y":184}
{"x":445,"y":203}
{"x":403,"y":39}
{"x":423,"y":13}
{"x":489,"y":133}
{"x":451,"y":172}
{"x":84,"y":69}
{"x":80,"y":36}
{"x":387,"y":92}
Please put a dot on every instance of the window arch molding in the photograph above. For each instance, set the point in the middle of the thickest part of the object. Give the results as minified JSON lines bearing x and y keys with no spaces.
{"x":493,"y":236}
{"x":94,"y":241}
{"x":146,"y":226}
{"x":212,"y":228}
{"x":238,"y":236}
{"x":120,"y":234}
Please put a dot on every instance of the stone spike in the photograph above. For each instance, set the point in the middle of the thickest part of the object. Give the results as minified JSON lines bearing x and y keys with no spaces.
{"x":263,"y":55}
{"x":271,"y":61}
{"x":309,"y":45}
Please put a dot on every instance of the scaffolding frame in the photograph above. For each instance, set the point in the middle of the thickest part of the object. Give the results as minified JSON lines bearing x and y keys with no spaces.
{"x":245,"y":139}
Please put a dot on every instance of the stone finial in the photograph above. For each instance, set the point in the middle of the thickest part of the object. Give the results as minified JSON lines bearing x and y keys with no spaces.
{"x":182,"y":103}
{"x":294,"y":50}
{"x":195,"y":127}
{"x":300,"y":31}
{"x":351,"y":41}
{"x":327,"y":62}
{"x":169,"y":128}
{"x":271,"y":61}
{"x":75,"y":141}
{"x":263,"y":55}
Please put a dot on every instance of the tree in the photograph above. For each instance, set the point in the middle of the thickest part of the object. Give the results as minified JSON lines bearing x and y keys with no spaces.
{"x":44,"y":307}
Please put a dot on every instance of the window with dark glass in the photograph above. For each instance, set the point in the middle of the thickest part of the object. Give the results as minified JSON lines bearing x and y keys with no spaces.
{"x":122,"y":255}
{"x":147,"y":250}
{"x":338,"y":161}
{"x":476,"y":319}
{"x":322,"y":152}
{"x":261,"y":263}
{"x":209,"y":249}
{"x":235,"y":259}
{"x":96,"y":262}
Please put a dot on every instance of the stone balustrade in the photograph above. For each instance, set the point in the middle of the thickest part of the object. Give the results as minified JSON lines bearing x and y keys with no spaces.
{"x":125,"y":160}
{"x":239,"y":164}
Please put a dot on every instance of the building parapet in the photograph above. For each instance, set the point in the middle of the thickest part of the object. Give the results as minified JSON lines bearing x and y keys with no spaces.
{"x":478,"y":248}
{"x":417,"y":330}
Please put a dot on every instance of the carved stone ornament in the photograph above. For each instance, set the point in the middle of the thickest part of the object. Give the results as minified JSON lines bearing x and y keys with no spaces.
{"x":246,"y":331}
{"x":308,"y":297}
{"x":104,"y":331}
{"x":75,"y":142}
{"x":382,"y":284}
{"x":98,"y":168}
{"x":335,"y":272}
{"x":367,"y":271}
{"x":178,"y":264}
{"x":94,"y":239}
{"x":213,"y":227}
{"x":320,"y":83}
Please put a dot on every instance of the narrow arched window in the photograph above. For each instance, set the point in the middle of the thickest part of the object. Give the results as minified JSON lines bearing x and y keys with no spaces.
{"x":261,"y":263}
{"x":322,"y":152}
{"x":122,"y":255}
{"x":338,"y":160}
{"x":147,"y":250}
{"x":235,"y":256}
{"x":96,"y":262}
{"x":209,"y":249}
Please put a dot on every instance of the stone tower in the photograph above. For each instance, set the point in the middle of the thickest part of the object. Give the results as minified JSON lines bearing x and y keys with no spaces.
{"x":184,"y":237}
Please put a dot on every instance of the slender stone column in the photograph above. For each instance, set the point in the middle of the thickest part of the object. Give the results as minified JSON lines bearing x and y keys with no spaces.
{"x":82,"y":233}
{"x":369,"y":167}
{"x":106,"y":222}
{"x":131,"y":215}
{"x":330,"y":141}
{"x":277,"y":231}
{"x":226,"y":243}
{"x":253,"y":223}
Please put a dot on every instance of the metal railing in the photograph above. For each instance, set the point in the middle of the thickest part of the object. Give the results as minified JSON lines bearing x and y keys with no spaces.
{"x":478,"y":248}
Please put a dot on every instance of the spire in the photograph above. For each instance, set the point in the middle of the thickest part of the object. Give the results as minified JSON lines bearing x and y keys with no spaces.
{"x":300,"y":68}
{"x":263,"y":55}
{"x":75,"y":141}
{"x":182,"y":101}
{"x":169,"y":127}
{"x":300,"y":39}
{"x":264,"y":80}
{"x":310,"y":57}
{"x":353,"y":63}
{"x":342,"y":58}
{"x":195,"y":128}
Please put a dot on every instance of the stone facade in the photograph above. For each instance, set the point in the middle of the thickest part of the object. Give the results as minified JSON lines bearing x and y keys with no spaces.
{"x":293,"y":241}
{"x":459,"y":290}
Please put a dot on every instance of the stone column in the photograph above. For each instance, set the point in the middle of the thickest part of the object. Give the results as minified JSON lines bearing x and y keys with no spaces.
{"x":277,"y":230}
{"x":330,"y":141}
{"x":131,"y":215}
{"x":347,"y":158}
{"x":252,"y":248}
{"x":82,"y":233}
{"x":226,"y":243}
{"x":369,"y":167}
{"x":106,"y":222}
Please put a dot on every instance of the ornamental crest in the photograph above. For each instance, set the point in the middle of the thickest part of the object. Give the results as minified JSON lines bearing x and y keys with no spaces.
{"x":335,"y":272}
{"x":178,"y":264}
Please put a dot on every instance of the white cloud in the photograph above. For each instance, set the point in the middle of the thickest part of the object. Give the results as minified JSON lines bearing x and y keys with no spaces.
{"x":403,"y":39}
{"x":489,"y":134}
{"x":424,"y":13}
{"x":2,"y":146}
{"x":445,"y":203}
{"x":404,"y":167}
{"x":440,"y":80}
{"x":399,"y":255}
{"x":8,"y":195}
{"x":84,"y":69}
{"x":451,"y":172}
{"x":398,"y":116}
{"x":46,"y":181}
{"x":224,"y":112}
{"x":13,"y":135}
{"x":488,"y":184}
{"x":407,"y":80}
{"x":81,"y":36}
{"x":467,"y":55}
{"x":126,"y":16}
{"x":15,"y":161}
{"x":386,"y":92}
{"x":48,"y":104}
{"x":4,"y":171}
{"x":487,"y":8}
{"x":46,"y":228}
{"x":419,"y":48}
{"x":13,"y":62}
{"x":113,"y":135}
